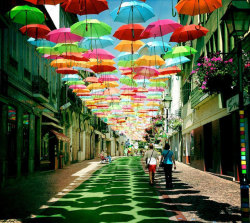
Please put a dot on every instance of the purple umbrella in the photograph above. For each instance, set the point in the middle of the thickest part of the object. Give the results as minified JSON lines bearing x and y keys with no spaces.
{"x":63,"y":35}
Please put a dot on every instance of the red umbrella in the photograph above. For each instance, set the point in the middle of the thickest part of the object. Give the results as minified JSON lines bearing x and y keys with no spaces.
{"x":188,"y":32}
{"x":74,"y":56}
{"x":169,"y":70}
{"x":102,"y":68}
{"x":35,"y":30}
{"x":45,"y":2}
{"x":129,"y":32}
{"x":84,"y":7}
{"x":66,"y":71}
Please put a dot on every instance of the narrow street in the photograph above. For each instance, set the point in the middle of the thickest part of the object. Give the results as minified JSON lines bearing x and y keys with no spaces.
{"x":120,"y":192}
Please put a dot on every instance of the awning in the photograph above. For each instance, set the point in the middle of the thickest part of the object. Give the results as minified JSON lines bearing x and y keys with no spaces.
{"x":61,"y":136}
{"x":52,"y":124}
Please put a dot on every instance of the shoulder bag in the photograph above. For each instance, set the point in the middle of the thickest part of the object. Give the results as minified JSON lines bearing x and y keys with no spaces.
{"x":162,"y":164}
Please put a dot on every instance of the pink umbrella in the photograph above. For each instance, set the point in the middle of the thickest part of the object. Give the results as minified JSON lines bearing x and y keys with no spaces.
{"x":78,"y":86}
{"x":146,"y":71}
{"x":113,"y":98}
{"x":127,"y":107}
{"x":108,"y":78}
{"x":99,"y":54}
{"x":52,"y":57}
{"x":153,"y":99}
{"x":156,"y":89}
{"x":125,"y":68}
{"x":127,"y":88}
{"x":140,"y":77}
{"x":63,"y":35}
{"x":139,"y":96}
{"x":160,"y":28}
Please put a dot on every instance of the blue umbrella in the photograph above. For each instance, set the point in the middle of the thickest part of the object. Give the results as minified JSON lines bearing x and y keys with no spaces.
{"x":96,"y":42}
{"x":142,"y":81}
{"x":41,"y":42}
{"x":71,"y":77}
{"x":176,"y":61}
{"x":154,"y":48}
{"x":128,"y":56}
{"x":132,"y":12}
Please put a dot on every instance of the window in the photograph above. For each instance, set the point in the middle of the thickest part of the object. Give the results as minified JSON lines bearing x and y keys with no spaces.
{"x":186,"y":90}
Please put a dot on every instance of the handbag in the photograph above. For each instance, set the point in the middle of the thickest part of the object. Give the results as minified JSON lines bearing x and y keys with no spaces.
{"x":147,"y":165}
{"x":162,"y":164}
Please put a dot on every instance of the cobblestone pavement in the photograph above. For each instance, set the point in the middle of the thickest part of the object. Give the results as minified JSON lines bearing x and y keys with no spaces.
{"x":201,"y":197}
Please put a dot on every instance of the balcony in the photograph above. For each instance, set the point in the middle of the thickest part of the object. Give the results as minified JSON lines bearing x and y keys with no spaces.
{"x":197,"y":97}
{"x":40,"y":89}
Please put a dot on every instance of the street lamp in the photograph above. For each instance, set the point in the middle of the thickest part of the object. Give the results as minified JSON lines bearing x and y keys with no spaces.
{"x":166,"y":104}
{"x":237,"y":22}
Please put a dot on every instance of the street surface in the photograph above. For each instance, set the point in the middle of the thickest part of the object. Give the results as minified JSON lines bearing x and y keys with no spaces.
{"x":120,"y":192}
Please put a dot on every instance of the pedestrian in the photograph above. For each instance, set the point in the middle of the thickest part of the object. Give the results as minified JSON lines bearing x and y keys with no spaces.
{"x":167,"y":158}
{"x":151,"y":157}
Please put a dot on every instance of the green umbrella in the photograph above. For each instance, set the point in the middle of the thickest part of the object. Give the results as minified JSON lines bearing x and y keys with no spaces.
{"x":26,"y":15}
{"x":91,"y":28}
{"x":154,"y":97}
{"x":47,"y":50}
{"x":128,"y":81}
{"x":68,"y":47}
{"x":124,"y":63}
{"x":74,"y":82}
{"x":180,"y":51}
{"x":157,"y":84}
{"x":115,"y":107}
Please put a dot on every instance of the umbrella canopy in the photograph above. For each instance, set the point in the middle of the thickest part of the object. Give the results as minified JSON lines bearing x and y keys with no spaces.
{"x":99,"y":54}
{"x":96,"y":86}
{"x":35,"y":30}
{"x":111,"y":91}
{"x":141,"y":89}
{"x":85,"y":7}
{"x":188,"y":32}
{"x":60,"y":63}
{"x":63,"y":35}
{"x":71,"y":77}
{"x":68,"y":47}
{"x":96,"y":42}
{"x":129,"y":46}
{"x":129,"y":32}
{"x":180,"y":51}
{"x":26,"y":15}
{"x":159,"y":89}
{"x":132,"y":12}
{"x":160,"y":78}
{"x":102,"y":68}
{"x":140,"y":77}
{"x":79,"y":86}
{"x":93,"y":62}
{"x":169,"y":70}
{"x":111,"y":84}
{"x":176,"y":61}
{"x":128,"y":56}
{"x":160,"y":28}
{"x":76,"y":82}
{"x":128,"y":93}
{"x":108,"y":78}
{"x":40,"y":42}
{"x":91,"y":28}
{"x":47,"y":50}
{"x":146,"y":71}
{"x":157,"y":84}
{"x":128,"y":81}
{"x":196,"y":7}
{"x":154,"y":60}
{"x":154,"y":48}
{"x":66,"y":71}
{"x":45,"y":2}
{"x":92,"y":80}
{"x":74,"y":56}
{"x":128,"y":88}
{"x":125,"y":63}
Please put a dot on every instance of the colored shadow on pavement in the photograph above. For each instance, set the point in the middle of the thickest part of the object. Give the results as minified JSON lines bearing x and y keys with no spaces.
{"x":118,"y":192}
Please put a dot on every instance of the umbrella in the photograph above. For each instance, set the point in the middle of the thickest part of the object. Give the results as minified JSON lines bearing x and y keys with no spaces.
{"x":154,"y":60}
{"x":156,"y":89}
{"x":153,"y":48}
{"x":40,"y":42}
{"x":96,"y":86}
{"x":129,"y":46}
{"x":47,"y":50}
{"x":128,"y":93}
{"x":111,"y":84}
{"x":76,"y":82}
{"x":96,"y":42}
{"x":63,"y":35}
{"x":169,"y":70}
{"x":102,"y":68}
{"x":146,"y":71}
{"x":111,"y":91}
{"x":124,"y":63}
{"x":160,"y":78}
{"x":196,"y":7}
{"x":52,"y":57}
{"x":180,"y":51}
{"x":35,"y":30}
{"x":45,"y":2}
{"x":176,"y":61}
{"x":92,"y":80}
{"x":128,"y":88}
{"x":129,"y":32}
{"x":99,"y":54}
{"x":141,"y":89}
{"x":74,"y":56}
{"x":96,"y":28}
{"x":26,"y":15}
{"x":160,"y":28}
{"x":85,"y":90}
{"x":84,"y":7}
{"x":108,"y":78}
{"x":128,"y":56}
{"x":66,"y":71}
{"x":128,"y":81}
{"x":132,"y":12}
{"x":157,"y":84}
{"x":60,"y":63}
{"x":68,"y":47}
{"x":188,"y":32}
{"x":140,"y":77}
{"x":71,"y":77}
{"x":79,"y":86}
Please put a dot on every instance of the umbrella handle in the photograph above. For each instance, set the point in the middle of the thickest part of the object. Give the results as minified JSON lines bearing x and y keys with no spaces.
{"x":173,"y":12}
{"x":199,"y":25}
{"x":119,"y":7}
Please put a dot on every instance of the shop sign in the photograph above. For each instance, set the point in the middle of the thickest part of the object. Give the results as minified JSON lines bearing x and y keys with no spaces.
{"x":233,"y":102}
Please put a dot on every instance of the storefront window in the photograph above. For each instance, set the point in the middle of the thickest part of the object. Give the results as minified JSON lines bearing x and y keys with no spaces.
{"x":25,"y":148}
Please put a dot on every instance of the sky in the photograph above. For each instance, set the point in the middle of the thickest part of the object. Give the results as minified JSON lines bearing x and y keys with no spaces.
{"x":162,"y":10}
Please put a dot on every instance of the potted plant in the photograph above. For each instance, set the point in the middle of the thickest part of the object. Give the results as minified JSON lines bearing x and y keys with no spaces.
{"x":175,"y":123}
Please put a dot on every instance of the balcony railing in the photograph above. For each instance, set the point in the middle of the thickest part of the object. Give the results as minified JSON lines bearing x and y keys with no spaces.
{"x":197,"y":96}
{"x":40,"y":89}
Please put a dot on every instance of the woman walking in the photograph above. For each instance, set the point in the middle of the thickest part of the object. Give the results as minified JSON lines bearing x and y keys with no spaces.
{"x":151,"y":157}
{"x":167,"y":157}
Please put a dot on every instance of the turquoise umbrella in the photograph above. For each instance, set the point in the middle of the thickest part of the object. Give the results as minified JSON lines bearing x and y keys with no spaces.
{"x":175,"y":61}
{"x":41,"y":42}
{"x":128,"y":56}
{"x":96,"y":42}
{"x":154,"y":48}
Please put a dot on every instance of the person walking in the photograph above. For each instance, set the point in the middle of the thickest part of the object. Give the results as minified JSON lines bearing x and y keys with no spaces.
{"x":151,"y":157}
{"x":167,"y":157}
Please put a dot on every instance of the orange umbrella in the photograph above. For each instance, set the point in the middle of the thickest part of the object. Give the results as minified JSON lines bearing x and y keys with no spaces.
{"x":153,"y":60}
{"x":81,"y":90}
{"x":111,"y":91}
{"x":111,"y":84}
{"x":92,"y":80}
{"x":128,"y":46}
{"x":96,"y":86}
{"x":61,"y":63}
{"x":169,"y":70}
{"x":196,"y":7}
{"x":93,"y":62}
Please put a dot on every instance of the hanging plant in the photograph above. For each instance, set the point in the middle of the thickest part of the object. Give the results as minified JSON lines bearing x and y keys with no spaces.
{"x":175,"y":123}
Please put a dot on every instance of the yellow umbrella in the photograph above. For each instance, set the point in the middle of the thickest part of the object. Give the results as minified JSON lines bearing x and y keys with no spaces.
{"x":110,"y":84}
{"x":90,"y":102}
{"x":146,"y":60}
{"x":93,"y":62}
{"x":82,"y":64}
{"x":153,"y":104}
{"x":81,"y":90}
{"x":159,"y":79}
{"x":62,"y":63}
{"x":96,"y":86}
{"x":127,"y":46}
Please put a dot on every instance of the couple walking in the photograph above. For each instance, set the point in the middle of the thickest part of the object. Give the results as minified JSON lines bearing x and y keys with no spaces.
{"x":167,"y":159}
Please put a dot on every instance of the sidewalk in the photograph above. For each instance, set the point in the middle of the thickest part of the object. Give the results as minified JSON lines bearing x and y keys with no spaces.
{"x":26,"y":197}
{"x":199,"y":196}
